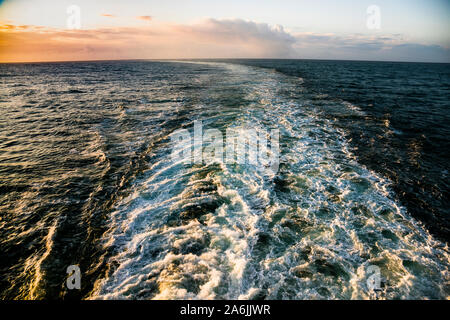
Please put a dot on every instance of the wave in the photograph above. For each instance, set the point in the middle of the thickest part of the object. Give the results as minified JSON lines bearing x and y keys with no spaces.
{"x":232,"y":231}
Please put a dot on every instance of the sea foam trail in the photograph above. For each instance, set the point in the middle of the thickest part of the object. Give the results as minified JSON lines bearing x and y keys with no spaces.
{"x":221,"y":231}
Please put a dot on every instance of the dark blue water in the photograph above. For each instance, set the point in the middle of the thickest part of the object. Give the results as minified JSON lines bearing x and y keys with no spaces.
{"x":405,"y":134}
{"x":86,"y":179}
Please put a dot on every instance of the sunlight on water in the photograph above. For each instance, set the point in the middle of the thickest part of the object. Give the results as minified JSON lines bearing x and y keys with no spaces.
{"x":87,"y":179}
{"x":231,"y":232}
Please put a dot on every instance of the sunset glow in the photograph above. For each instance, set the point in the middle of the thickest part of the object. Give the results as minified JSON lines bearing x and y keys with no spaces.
{"x":38,"y":30}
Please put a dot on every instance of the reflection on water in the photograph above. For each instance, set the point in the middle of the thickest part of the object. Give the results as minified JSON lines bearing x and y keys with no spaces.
{"x":87,"y":179}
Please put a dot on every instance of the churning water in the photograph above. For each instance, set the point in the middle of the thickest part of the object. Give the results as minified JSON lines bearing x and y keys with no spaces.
{"x":87,"y":179}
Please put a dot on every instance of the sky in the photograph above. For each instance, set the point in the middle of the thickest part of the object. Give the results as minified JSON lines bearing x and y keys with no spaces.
{"x":52,"y":30}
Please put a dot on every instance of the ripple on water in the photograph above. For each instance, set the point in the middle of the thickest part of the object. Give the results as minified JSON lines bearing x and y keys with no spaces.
{"x":311,"y":231}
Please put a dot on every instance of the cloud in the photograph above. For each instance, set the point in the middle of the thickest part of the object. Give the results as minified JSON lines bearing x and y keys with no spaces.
{"x":108,"y":15}
{"x":240,"y":38}
{"x":210,"y":38}
{"x":145,"y":18}
{"x":394,"y":47}
{"x":205,"y":39}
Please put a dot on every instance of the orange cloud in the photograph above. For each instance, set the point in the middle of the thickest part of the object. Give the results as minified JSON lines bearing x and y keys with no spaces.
{"x":210,"y":38}
{"x":146,"y":18}
{"x":7,"y":27}
{"x":18,"y":28}
{"x":207,"y":39}
{"x":108,"y":15}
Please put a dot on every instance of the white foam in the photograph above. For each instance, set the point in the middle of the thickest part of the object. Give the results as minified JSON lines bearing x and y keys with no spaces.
{"x":325,"y":222}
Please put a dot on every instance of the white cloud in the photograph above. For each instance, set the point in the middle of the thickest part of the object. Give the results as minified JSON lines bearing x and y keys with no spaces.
{"x":210,"y":38}
{"x":393,"y":47}
{"x":261,"y":39}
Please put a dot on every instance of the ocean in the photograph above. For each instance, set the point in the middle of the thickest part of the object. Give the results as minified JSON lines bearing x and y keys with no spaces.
{"x":87,"y":179}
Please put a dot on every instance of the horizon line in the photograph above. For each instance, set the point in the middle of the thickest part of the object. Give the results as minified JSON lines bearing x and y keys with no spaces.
{"x":201,"y":59}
